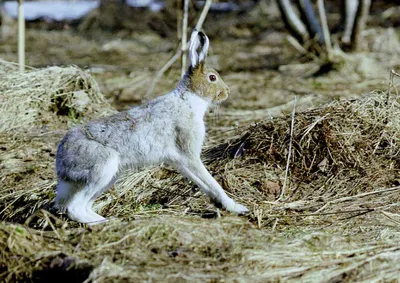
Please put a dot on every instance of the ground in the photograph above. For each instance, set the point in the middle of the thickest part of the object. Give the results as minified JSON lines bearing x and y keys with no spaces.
{"x":338,"y":219}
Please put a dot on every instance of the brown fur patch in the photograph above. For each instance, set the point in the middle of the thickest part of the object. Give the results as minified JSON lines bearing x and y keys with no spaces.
{"x":202,"y":86}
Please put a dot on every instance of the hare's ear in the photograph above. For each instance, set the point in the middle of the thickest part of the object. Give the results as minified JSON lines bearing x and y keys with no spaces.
{"x":198,"y":48}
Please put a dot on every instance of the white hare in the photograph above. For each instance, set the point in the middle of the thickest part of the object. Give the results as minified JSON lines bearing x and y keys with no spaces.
{"x":169,"y":129}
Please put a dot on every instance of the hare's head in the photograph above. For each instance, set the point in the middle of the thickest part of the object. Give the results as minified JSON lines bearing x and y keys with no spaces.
{"x":203,"y":81}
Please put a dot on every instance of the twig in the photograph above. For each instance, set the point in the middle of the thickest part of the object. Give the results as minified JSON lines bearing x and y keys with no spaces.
{"x":359,"y":22}
{"x":275,"y":223}
{"x":356,"y":215}
{"x":319,"y":214}
{"x":392,"y":74}
{"x":293,"y":41}
{"x":258,"y":213}
{"x":289,"y":152}
{"x":310,"y":127}
{"x":325,"y":28}
{"x":343,"y":199}
{"x":350,"y":7}
{"x":184,"y":36}
{"x":179,"y":18}
{"x":46,"y":216}
{"x":391,"y":216}
{"x":107,"y":245}
{"x":292,"y":20}
{"x":203,"y":14}
{"x":21,"y":36}
{"x":178,"y":53}
{"x":162,"y":71}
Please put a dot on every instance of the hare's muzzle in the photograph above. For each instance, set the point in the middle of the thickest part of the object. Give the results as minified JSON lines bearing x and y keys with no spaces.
{"x":223,"y":93}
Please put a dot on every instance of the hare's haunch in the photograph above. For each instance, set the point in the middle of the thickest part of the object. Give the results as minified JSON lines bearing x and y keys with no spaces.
{"x":169,"y":129}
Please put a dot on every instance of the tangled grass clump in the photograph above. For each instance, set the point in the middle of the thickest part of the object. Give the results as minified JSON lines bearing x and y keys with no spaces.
{"x":352,"y":145}
{"x":43,"y":99}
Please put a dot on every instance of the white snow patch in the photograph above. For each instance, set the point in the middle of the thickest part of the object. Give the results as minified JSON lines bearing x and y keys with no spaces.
{"x":67,"y":10}
{"x":55,"y":10}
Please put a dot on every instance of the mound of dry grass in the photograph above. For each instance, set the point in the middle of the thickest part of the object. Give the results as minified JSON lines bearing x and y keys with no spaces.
{"x":44,"y":98}
{"x":354,"y":140}
{"x":339,"y":219}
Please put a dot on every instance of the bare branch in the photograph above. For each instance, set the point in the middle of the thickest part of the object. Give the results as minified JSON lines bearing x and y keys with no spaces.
{"x":161,"y":72}
{"x":180,"y":51}
{"x":310,"y":20}
{"x":350,"y":10}
{"x":203,"y":15}
{"x":292,"y":21}
{"x":325,"y":28}
{"x":359,"y":23}
{"x":21,"y":36}
{"x":289,"y":152}
{"x":184,"y":36}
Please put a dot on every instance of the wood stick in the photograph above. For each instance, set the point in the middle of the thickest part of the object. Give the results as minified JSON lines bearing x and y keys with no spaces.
{"x":179,"y":53}
{"x":350,"y":10}
{"x":289,"y":152}
{"x":184,"y":36}
{"x":349,"y":198}
{"x":310,"y":20}
{"x":392,"y":74}
{"x":21,"y":36}
{"x":292,"y":22}
{"x":162,"y":71}
{"x":325,"y":28}
{"x":203,"y":15}
{"x":359,"y":23}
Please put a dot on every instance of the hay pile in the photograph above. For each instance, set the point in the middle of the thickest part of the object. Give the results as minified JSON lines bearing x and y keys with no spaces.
{"x":43,"y":98}
{"x":339,"y":220}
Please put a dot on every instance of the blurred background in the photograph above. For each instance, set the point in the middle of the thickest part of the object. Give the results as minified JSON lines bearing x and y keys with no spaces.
{"x":267,"y":50}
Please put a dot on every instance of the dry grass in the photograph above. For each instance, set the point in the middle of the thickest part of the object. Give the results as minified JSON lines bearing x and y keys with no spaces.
{"x":34,"y":99}
{"x":339,"y":220}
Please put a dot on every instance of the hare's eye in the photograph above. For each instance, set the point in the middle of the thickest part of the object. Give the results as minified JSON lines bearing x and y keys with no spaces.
{"x":212,"y":78}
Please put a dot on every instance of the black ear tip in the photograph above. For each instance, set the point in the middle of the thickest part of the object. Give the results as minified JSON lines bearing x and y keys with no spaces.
{"x":202,"y":37}
{"x":200,"y":34}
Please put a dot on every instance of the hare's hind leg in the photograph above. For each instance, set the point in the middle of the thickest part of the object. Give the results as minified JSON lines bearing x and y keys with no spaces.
{"x":89,"y":205}
{"x":79,"y":204}
{"x":71,"y":197}
{"x":65,"y":190}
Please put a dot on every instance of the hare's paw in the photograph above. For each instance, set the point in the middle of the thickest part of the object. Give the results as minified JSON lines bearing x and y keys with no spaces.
{"x":237,"y":208}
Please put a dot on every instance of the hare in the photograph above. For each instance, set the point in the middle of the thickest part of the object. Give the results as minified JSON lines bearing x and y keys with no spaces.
{"x":169,"y":129}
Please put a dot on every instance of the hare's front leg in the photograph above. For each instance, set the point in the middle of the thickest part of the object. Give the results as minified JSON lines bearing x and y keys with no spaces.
{"x":195,"y":170}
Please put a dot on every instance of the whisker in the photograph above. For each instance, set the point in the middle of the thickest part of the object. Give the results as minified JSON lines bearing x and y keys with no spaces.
{"x":213,"y":114}
{"x":216,"y":115}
